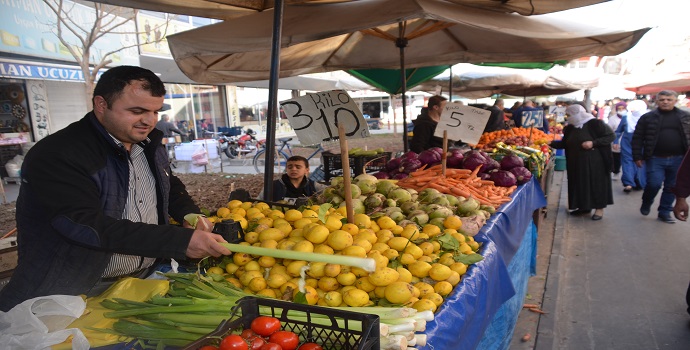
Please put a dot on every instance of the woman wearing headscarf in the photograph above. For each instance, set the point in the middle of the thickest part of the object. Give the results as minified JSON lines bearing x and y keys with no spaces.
{"x":633,"y":177}
{"x":587,"y":144}
{"x":614,"y":121}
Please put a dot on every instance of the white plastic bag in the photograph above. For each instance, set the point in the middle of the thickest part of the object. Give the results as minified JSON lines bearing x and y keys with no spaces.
{"x":200,"y":156}
{"x":39,"y":323}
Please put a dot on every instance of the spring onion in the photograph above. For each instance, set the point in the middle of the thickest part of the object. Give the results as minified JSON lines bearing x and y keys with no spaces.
{"x":367,"y":264}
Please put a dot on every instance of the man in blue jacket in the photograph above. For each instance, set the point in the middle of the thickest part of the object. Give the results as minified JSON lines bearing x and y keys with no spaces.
{"x":96,"y":198}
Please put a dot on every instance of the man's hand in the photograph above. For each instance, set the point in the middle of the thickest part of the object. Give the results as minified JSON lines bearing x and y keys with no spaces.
{"x":203,"y":224}
{"x":204,"y":244}
{"x":615,"y":147}
{"x":587,"y":145}
{"x":639,"y":163}
{"x":680,"y":210}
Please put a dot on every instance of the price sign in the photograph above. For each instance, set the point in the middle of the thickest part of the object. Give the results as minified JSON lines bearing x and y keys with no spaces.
{"x":463,"y":123}
{"x":533,"y":118}
{"x":315,"y":117}
{"x":559,"y":112}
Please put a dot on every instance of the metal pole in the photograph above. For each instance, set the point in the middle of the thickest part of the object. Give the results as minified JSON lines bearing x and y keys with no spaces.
{"x":272,"y":110}
{"x":450,"y":85}
{"x":401,"y":42}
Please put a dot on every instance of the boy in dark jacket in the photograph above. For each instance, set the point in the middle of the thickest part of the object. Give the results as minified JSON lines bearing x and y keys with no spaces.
{"x":295,"y":183}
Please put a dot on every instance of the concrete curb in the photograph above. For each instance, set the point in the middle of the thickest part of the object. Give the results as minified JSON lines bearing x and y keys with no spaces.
{"x":545,"y":339}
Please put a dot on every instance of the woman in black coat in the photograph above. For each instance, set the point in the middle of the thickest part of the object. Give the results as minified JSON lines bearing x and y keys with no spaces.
{"x":587,"y":143}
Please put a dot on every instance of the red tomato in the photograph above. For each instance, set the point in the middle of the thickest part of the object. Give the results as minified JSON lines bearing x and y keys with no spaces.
{"x":256,"y":343}
{"x":265,"y":325}
{"x":271,"y":346}
{"x":248,"y":334}
{"x":233,"y":342}
{"x":287,"y":340}
{"x":310,"y":346}
{"x":208,"y":347}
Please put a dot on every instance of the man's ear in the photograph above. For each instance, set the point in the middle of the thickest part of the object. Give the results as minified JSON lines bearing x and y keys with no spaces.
{"x":99,"y":104}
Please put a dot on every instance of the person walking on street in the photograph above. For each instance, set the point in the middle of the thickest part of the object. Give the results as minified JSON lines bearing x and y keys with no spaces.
{"x":614,"y":121}
{"x":682,"y":191}
{"x":633,"y":178}
{"x":660,"y":140}
{"x":96,"y":198}
{"x":167,"y":127}
{"x":587,"y":144}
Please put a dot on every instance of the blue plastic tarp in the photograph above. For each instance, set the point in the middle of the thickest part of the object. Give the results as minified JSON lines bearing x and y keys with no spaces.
{"x":463,"y":318}
{"x":499,"y":334}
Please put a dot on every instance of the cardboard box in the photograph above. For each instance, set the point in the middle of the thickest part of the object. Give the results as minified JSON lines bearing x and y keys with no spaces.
{"x":8,"y":255}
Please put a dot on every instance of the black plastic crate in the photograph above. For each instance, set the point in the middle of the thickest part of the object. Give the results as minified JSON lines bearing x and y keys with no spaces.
{"x":337,"y":335}
{"x":333,"y":165}
{"x":371,"y":164}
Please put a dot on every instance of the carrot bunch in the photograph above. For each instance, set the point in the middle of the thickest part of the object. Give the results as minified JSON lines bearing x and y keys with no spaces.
{"x":459,"y":182}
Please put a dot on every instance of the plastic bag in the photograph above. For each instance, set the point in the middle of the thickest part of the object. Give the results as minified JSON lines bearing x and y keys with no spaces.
{"x":200,"y":156}
{"x":39,"y":323}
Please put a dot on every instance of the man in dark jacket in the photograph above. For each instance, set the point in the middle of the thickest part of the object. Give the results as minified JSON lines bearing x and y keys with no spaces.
{"x":167,"y":127}
{"x":424,"y":126}
{"x":96,"y":197}
{"x":496,"y":121}
{"x":659,"y":142}
{"x":680,"y":210}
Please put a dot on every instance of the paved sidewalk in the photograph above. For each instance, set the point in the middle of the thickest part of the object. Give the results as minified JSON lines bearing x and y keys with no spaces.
{"x":618,"y":283}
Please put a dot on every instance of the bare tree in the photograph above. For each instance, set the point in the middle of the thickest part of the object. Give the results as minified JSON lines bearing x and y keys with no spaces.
{"x":107,"y":19}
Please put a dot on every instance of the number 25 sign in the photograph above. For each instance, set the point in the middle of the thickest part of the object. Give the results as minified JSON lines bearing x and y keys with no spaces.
{"x":462,"y":123}
{"x":315,"y":117}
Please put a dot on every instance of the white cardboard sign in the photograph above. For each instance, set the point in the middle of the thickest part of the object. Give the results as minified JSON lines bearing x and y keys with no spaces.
{"x":315,"y":116}
{"x":559,"y":112}
{"x":463,"y":123}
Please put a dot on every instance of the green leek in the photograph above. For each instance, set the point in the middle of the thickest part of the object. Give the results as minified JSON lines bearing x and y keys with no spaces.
{"x":363,"y":263}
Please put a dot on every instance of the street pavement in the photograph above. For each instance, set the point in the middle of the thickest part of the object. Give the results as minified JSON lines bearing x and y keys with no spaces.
{"x":618,"y":283}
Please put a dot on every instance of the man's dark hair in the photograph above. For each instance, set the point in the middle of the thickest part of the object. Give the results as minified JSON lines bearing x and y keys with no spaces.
{"x":435,"y":101}
{"x":111,"y":84}
{"x":299,"y":158}
{"x":667,"y":93}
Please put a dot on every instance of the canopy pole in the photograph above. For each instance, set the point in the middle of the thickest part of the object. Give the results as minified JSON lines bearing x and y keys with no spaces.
{"x":272,"y":111}
{"x":450,"y":85}
{"x":401,"y":42}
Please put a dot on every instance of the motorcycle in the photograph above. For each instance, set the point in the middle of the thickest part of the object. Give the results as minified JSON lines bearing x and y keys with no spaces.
{"x":224,"y":142}
{"x":245,"y":144}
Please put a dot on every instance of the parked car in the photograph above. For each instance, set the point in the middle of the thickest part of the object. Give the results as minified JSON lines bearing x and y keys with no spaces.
{"x":374,"y":123}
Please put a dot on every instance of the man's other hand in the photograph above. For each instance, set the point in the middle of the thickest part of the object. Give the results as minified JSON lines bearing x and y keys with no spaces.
{"x":204,"y":243}
{"x":680,"y":210}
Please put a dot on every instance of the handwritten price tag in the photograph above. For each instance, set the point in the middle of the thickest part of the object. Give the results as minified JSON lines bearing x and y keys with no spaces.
{"x":533,"y":118}
{"x":463,"y":123}
{"x":559,"y":112}
{"x":315,"y":117}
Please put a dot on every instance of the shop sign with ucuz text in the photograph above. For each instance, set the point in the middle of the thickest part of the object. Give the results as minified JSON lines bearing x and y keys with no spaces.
{"x":462,"y":123}
{"x":315,"y":117}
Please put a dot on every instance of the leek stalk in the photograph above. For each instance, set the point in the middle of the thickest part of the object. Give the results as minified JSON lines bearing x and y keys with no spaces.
{"x":367,"y":264}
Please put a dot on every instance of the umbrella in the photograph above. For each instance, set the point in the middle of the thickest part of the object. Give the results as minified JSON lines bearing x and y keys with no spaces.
{"x":228,"y":9}
{"x":679,"y":82}
{"x":384,"y":34}
{"x":474,"y":81}
{"x":389,"y":80}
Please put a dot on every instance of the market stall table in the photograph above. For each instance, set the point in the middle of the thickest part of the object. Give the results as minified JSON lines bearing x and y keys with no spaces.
{"x":482,"y":310}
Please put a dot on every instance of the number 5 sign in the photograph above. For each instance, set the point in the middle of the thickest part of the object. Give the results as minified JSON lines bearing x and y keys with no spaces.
{"x":315,"y":117}
{"x":463,"y":123}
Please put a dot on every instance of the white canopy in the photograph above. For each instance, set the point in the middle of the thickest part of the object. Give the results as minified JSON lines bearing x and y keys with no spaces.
{"x":228,"y":9}
{"x":362,"y":34}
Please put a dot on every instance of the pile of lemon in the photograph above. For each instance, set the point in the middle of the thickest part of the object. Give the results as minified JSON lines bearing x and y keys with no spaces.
{"x":412,"y":269}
